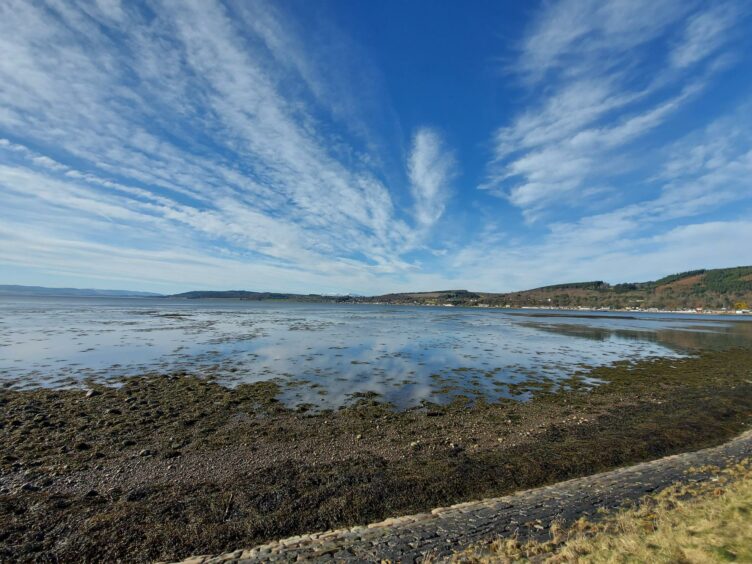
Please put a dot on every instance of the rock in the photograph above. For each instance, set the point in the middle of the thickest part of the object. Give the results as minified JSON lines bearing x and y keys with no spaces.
{"x":455,"y":448}
{"x":91,"y":393}
{"x":358,"y":437}
{"x":144,"y":452}
{"x":92,"y":493}
{"x":28,"y":487}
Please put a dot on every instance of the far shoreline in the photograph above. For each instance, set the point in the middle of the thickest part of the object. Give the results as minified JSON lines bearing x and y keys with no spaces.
{"x":605,"y":311}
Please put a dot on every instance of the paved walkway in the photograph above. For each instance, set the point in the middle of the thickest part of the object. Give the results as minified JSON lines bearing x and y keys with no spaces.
{"x":528,"y":514}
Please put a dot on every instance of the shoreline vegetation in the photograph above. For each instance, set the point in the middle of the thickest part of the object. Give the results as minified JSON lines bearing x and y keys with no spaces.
{"x":161,"y":467}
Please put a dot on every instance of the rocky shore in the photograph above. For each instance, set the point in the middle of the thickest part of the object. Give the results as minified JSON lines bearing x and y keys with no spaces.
{"x":166,"y":466}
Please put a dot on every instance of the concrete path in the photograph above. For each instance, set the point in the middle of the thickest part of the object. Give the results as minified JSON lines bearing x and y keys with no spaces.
{"x":527,"y":513}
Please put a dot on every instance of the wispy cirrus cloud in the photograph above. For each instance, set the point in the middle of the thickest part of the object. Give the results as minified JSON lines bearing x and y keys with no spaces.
{"x":431,"y":167}
{"x":148,"y":125}
{"x":671,"y":229}
{"x":580,"y":158}
{"x":598,"y":245}
{"x":705,"y":33}
{"x":571,"y":37}
{"x":607,"y":74}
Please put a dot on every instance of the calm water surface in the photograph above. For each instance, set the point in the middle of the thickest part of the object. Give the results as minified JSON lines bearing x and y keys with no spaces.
{"x":327,"y":354}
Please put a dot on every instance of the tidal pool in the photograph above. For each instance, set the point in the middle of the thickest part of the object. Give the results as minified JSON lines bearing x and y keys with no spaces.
{"x":325,"y":355}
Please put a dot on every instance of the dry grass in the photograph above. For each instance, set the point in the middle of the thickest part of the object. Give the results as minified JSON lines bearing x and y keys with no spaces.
{"x":697,"y":523}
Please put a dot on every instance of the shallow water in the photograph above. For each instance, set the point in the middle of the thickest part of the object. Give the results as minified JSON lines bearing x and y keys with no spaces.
{"x":327,"y":354}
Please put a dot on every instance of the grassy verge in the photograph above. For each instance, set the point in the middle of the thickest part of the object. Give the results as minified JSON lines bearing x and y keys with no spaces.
{"x":696,"y":523}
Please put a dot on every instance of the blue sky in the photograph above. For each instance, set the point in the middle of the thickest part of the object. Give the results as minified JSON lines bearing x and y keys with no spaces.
{"x":355,"y":146}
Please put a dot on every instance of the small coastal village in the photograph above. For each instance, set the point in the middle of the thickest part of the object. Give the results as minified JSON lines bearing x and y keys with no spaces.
{"x":742,"y":310}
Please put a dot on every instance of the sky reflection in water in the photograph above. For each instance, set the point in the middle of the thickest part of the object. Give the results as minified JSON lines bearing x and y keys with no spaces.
{"x":323,"y":354}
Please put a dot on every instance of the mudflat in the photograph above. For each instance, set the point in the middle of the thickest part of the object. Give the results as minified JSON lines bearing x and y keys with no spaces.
{"x":168,"y":465}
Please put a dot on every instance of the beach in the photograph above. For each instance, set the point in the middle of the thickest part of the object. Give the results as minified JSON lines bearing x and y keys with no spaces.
{"x":161,"y":466}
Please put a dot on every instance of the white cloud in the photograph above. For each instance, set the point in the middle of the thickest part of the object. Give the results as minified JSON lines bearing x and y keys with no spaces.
{"x":705,"y":175}
{"x":431,"y":168}
{"x":573,"y":36}
{"x":613,"y":71}
{"x":201,"y":123}
{"x":608,"y":248}
{"x":704,"y":34}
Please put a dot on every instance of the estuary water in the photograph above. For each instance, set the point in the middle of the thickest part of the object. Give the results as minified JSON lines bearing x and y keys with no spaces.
{"x":326,"y":355}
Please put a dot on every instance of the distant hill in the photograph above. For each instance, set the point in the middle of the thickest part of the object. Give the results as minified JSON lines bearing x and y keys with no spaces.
{"x":729,"y":288}
{"x":442,"y":296}
{"x":710,"y":289}
{"x":15,"y":290}
{"x":234,"y":294}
